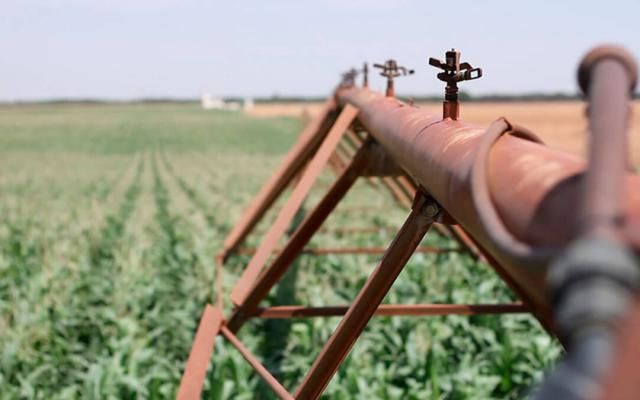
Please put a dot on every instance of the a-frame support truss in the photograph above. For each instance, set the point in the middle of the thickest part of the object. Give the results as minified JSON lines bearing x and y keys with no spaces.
{"x":333,"y":139}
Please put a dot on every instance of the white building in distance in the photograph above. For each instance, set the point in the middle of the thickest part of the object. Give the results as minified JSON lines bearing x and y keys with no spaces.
{"x":215,"y":103}
{"x":211,"y":103}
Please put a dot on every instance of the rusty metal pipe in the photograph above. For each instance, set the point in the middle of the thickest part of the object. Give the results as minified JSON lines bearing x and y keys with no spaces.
{"x":532,"y":188}
{"x":594,"y":280}
{"x":607,"y":77}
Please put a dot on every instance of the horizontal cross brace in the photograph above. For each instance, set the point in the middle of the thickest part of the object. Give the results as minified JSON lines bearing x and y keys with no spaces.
{"x":354,"y":250}
{"x":283,"y":312}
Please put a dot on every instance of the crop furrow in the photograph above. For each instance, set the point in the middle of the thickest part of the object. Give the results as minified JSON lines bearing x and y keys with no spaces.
{"x":120,"y":177}
{"x":102,"y":252}
{"x":195,"y":198}
{"x":75,"y":301}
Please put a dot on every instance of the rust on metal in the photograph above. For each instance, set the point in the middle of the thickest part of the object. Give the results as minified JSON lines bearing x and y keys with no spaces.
{"x":316,"y":251}
{"x":389,"y":170}
{"x":453,"y":71}
{"x":282,"y":222}
{"x":594,"y":281}
{"x":499,"y":193}
{"x":463,"y":237}
{"x":293,"y":162}
{"x":422,"y":216}
{"x":261,"y":287}
{"x":386,"y":310}
{"x":356,"y":229}
{"x":335,"y":162}
{"x":532,"y":187}
{"x":201,"y":351}
{"x":391,"y":70}
{"x":277,"y":388}
{"x":607,"y":75}
{"x":621,"y":378}
{"x":219,"y":265}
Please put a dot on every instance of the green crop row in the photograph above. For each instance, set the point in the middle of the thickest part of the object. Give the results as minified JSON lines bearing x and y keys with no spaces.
{"x":110,"y":217}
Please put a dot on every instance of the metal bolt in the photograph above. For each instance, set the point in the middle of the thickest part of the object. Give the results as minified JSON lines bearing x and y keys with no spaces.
{"x":431,"y":209}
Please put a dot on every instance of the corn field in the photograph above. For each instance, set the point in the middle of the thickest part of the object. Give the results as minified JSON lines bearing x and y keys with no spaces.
{"x":110,"y":217}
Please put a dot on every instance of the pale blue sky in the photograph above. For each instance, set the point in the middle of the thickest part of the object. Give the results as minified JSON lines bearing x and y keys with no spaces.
{"x":126,"y":49}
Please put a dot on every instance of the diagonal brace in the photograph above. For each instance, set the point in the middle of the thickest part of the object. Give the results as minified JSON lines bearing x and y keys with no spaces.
{"x":424,"y":211}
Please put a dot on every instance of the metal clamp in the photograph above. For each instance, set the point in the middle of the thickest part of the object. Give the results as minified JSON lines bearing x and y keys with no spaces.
{"x":453,"y":71}
{"x":390,"y":70}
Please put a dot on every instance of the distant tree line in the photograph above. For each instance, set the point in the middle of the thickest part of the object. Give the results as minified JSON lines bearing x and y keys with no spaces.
{"x":465,"y":96}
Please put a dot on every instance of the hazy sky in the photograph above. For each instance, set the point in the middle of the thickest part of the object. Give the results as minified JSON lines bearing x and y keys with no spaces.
{"x":146,"y":48}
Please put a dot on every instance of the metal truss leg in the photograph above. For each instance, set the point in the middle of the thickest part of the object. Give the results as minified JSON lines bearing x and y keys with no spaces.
{"x":344,"y":152}
{"x":293,"y":162}
{"x":201,"y":351}
{"x":336,"y":163}
{"x":249,"y":300}
{"x":389,"y":182}
{"x":275,"y":232}
{"x":420,"y":219}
